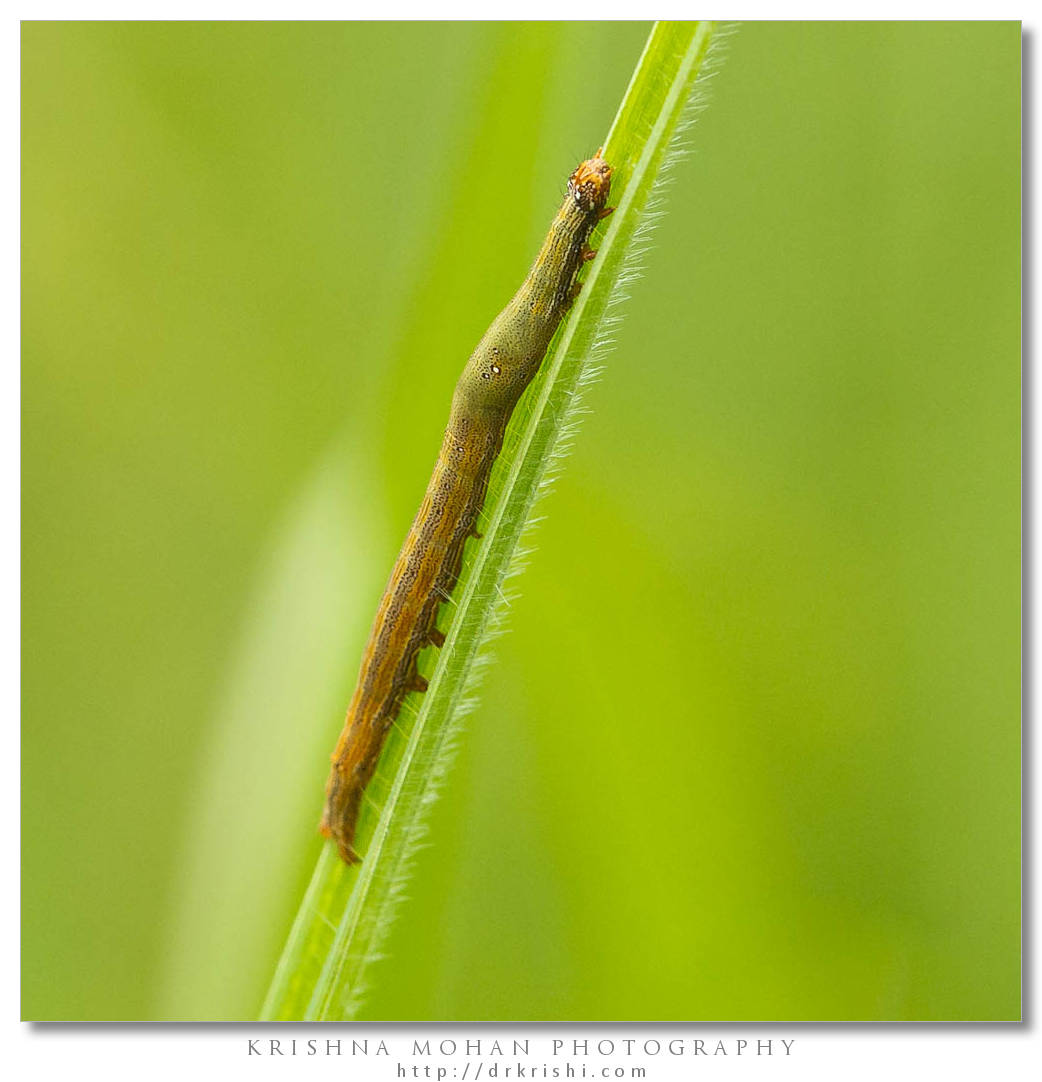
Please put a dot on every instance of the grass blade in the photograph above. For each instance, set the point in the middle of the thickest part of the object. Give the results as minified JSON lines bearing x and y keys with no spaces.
{"x":346,"y":912}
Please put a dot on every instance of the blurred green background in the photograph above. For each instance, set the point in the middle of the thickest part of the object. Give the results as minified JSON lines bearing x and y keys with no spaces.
{"x":752,"y":748}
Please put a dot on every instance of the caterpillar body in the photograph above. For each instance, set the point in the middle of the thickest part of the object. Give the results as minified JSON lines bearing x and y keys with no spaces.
{"x":504,"y":363}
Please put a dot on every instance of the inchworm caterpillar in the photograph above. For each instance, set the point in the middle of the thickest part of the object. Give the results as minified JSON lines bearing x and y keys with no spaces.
{"x":504,"y":363}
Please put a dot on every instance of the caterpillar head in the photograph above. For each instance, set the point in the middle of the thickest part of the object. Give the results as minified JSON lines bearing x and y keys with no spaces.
{"x":590,"y":184}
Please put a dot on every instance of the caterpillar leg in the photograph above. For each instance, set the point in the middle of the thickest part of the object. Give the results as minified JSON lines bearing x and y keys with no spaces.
{"x":340,"y":814}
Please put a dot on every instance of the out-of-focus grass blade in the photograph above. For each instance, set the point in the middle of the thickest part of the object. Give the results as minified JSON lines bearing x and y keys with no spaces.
{"x":244,"y":839}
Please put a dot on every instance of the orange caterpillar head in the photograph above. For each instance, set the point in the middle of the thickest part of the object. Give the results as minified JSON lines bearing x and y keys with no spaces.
{"x":590,"y":183}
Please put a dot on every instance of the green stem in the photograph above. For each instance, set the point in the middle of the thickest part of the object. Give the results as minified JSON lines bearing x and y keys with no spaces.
{"x":346,"y":912}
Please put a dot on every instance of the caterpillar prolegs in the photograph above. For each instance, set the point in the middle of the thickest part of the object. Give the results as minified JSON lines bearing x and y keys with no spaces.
{"x":500,"y":368}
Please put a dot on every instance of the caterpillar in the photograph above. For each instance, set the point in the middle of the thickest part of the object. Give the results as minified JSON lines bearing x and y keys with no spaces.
{"x":504,"y":363}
